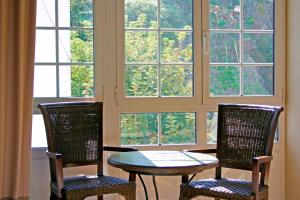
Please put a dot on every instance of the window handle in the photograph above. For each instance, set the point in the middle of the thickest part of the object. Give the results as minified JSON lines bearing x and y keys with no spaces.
{"x":204,"y":43}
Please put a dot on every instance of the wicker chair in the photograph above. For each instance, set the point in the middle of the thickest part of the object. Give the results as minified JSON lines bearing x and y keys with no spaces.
{"x":74,"y":137}
{"x":245,"y":138}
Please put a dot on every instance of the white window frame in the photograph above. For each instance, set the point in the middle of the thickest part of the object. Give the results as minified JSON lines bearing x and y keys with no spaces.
{"x":279,"y":63}
{"x":201,"y":102}
{"x":99,"y":58}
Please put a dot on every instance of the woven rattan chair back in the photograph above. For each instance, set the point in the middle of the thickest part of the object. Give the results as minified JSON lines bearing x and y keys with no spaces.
{"x":75,"y":131}
{"x":244,"y":132}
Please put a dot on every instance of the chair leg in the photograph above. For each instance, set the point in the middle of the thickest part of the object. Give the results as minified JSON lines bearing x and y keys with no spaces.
{"x":53,"y":196}
{"x":100,"y":197}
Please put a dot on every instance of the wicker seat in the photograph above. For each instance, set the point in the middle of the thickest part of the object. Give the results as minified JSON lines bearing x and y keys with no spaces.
{"x":74,"y":137}
{"x":245,"y":138}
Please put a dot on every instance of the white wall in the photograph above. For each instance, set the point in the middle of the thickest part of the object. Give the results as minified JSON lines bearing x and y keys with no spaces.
{"x":293,"y":101}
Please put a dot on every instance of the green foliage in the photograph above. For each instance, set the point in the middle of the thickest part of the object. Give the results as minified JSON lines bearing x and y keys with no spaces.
{"x":178,"y":128}
{"x":142,"y":128}
{"x":82,"y":81}
{"x":82,"y":77}
{"x":139,"y":128}
{"x":141,"y":81}
{"x":82,"y":46}
{"x":224,"y":80}
{"x":148,"y":69}
{"x":81,"y":13}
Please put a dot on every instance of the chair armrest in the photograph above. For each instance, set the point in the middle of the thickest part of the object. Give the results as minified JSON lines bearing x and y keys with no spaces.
{"x":58,"y":159}
{"x":55,"y":156}
{"x":261,"y":159}
{"x":256,"y":162}
{"x":202,"y":150}
{"x":119,"y":149}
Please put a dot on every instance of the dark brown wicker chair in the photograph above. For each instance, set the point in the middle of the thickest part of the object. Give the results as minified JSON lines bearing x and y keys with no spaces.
{"x":74,"y":136}
{"x":245,"y":138}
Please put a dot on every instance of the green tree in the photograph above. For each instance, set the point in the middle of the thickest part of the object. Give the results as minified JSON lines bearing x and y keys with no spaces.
{"x":81,"y":15}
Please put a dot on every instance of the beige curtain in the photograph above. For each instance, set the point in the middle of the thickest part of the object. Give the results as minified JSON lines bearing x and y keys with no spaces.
{"x":17,"y":38}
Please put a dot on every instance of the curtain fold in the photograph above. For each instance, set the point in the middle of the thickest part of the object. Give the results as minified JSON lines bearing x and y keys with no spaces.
{"x":17,"y":41}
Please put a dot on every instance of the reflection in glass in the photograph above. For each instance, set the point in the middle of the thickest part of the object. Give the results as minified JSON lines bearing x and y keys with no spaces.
{"x":176,"y":80}
{"x":45,"y":46}
{"x":176,"y":47}
{"x":75,"y":13}
{"x":224,"y":14}
{"x":45,"y":13}
{"x":211,"y":127}
{"x":141,"y":46}
{"x":139,"y":129}
{"x":258,"y":48}
{"x":176,"y":14}
{"x":140,"y":14}
{"x":178,"y":128}
{"x":76,"y":46}
{"x":258,"y":80}
{"x":224,"y":80}
{"x":258,"y":15}
{"x":224,"y":47}
{"x":76,"y":81}
{"x":141,"y":80}
{"x":44,"y":77}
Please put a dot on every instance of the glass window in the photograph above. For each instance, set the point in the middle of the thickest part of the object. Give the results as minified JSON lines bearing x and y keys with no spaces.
{"x":165,"y":56}
{"x":211,"y":127}
{"x":241,"y":48}
{"x":158,"y":128}
{"x":158,"y":48}
{"x":64,"y":49}
{"x":64,"y":55}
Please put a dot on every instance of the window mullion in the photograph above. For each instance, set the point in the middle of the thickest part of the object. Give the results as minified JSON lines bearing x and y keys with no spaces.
{"x":241,"y":48}
{"x":57,"y":48}
{"x":158,"y":49}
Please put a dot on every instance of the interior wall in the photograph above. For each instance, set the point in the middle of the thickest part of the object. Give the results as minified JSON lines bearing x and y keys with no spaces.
{"x":293,"y":99}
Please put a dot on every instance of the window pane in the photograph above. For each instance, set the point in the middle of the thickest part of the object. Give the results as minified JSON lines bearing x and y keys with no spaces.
{"x":178,"y":128}
{"x":224,"y":14}
{"x":224,"y":47}
{"x":211,"y":127}
{"x":38,"y":138}
{"x":140,"y":14}
{"x":176,"y":80}
{"x":258,"y":48}
{"x":224,"y":80}
{"x":45,"y":81}
{"x":141,"y":80}
{"x":176,"y":47}
{"x":139,"y":129}
{"x":45,"y":46}
{"x":76,"y":46}
{"x":258,"y":80}
{"x":258,"y":15}
{"x":141,"y":46}
{"x":45,"y":13}
{"x":75,"y":13}
{"x":76,"y":81}
{"x":176,"y":14}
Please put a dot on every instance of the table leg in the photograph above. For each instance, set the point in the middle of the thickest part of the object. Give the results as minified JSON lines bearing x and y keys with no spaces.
{"x":155,"y":187}
{"x":144,"y":186}
{"x":185,"y":186}
{"x":132,"y":177}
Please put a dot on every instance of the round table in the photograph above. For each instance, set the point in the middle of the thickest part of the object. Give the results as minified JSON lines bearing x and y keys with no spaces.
{"x":162,"y":163}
